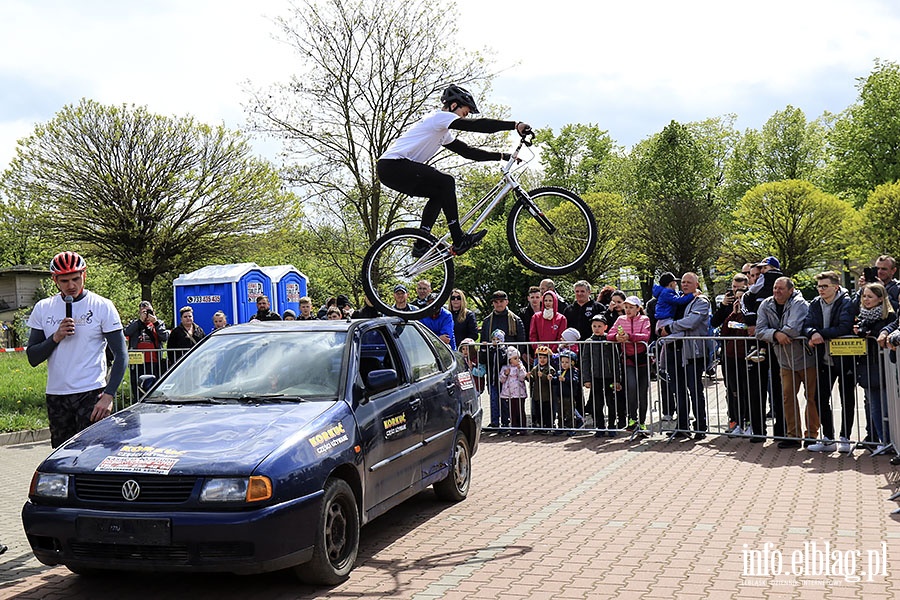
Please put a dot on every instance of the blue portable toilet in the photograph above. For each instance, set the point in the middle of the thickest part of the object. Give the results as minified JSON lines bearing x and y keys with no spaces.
{"x":288,"y":286}
{"x":233,"y":289}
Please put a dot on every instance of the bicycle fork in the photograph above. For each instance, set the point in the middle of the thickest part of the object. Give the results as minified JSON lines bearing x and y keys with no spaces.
{"x":534,"y":211}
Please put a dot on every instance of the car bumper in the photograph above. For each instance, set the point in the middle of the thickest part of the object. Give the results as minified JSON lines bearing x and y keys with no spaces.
{"x":266,"y":539}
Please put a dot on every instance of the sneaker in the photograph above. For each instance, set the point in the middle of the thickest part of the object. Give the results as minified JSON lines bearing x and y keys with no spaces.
{"x":642,"y":429}
{"x":895,"y":460}
{"x":467,"y":242}
{"x":881,"y":448}
{"x":420,"y":247}
{"x":732,"y":425}
{"x":822,"y":446}
{"x":785,"y":444}
{"x":700,"y":436}
{"x":632,"y":425}
{"x":844,"y":446}
{"x":599,"y":434}
{"x":737,"y":431}
{"x":679,"y":435}
{"x":757,"y":439}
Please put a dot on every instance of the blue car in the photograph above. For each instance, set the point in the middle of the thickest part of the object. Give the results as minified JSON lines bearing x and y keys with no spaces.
{"x":266,"y":447}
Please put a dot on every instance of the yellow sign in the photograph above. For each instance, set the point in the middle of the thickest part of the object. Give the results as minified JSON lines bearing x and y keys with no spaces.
{"x":847,"y":347}
{"x":135,"y":358}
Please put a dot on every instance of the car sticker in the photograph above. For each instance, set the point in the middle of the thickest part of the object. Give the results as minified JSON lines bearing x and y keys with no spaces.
{"x":394,"y":426}
{"x":141,"y":459}
{"x":465,"y":380}
{"x":329,"y":438}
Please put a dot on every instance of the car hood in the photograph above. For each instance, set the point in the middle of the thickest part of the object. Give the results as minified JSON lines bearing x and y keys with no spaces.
{"x":187,"y":439}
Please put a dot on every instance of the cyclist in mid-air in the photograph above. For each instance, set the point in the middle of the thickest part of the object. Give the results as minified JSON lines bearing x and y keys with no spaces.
{"x":402,"y":167}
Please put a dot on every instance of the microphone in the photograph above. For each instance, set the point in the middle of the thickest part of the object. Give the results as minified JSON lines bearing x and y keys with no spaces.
{"x":68,"y":300}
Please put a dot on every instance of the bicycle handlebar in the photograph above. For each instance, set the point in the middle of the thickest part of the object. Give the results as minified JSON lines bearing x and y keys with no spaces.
{"x":527,"y":137}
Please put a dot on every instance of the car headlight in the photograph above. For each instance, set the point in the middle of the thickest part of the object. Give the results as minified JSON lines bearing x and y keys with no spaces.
{"x":50,"y":485}
{"x":236,"y":489}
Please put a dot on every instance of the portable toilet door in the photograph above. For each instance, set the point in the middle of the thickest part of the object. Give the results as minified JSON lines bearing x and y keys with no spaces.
{"x":289,"y":285}
{"x":233,"y":289}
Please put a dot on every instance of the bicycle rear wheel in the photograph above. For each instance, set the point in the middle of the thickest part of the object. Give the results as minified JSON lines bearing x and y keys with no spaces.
{"x":552,"y":233}
{"x":389,"y":263}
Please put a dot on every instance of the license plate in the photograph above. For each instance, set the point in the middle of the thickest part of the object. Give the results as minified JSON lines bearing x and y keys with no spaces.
{"x":152,"y":532}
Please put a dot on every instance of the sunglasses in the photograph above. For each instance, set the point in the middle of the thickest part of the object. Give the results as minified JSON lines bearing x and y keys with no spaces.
{"x":456,"y":297}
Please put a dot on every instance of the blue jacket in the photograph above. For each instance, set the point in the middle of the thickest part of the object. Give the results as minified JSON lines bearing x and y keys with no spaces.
{"x":442,"y":324}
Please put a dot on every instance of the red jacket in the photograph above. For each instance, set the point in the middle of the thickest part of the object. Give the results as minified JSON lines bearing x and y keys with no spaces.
{"x":548,"y":330}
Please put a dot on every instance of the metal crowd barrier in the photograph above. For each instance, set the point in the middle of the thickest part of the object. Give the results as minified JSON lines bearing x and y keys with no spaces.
{"x":698,"y":386}
{"x":143,"y":362}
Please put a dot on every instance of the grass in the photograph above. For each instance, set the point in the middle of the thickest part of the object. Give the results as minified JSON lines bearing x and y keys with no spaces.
{"x":22,"y":404}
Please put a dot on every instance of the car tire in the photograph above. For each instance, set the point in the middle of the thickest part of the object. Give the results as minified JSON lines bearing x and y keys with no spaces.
{"x":337,"y":537}
{"x":455,"y":487}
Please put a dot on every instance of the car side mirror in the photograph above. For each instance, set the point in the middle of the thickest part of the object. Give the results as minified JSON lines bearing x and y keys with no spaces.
{"x":380,"y":380}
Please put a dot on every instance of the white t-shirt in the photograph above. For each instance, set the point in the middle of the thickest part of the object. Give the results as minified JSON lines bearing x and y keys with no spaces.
{"x":78,"y":364}
{"x":424,"y":139}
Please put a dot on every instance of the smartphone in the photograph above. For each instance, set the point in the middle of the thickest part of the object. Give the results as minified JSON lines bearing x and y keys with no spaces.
{"x":870,"y":274}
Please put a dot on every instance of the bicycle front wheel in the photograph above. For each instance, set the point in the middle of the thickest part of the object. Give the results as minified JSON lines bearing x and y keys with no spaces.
{"x":551,"y":231}
{"x":389,"y":263}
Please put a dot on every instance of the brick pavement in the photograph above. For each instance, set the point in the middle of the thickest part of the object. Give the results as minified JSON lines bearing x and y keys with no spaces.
{"x":551,"y":517}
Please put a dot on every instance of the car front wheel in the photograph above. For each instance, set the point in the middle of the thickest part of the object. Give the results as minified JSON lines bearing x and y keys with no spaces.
{"x":455,"y":487}
{"x":337,"y":537}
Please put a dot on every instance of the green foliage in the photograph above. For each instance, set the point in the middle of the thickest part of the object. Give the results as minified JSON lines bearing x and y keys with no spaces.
{"x":795,"y":221}
{"x":865,"y":140}
{"x":674,"y":221}
{"x":577,"y":159}
{"x":788,"y":147}
{"x":22,"y":403}
{"x":153,"y":194}
{"x":880,"y":220}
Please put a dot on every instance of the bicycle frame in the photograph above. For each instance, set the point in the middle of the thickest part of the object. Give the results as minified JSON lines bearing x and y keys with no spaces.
{"x":440,"y":251}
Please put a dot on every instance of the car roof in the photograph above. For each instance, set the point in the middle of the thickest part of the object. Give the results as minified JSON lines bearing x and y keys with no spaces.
{"x":256,"y":326}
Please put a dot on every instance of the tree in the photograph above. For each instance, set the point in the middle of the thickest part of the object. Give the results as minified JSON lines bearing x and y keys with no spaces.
{"x":674,"y":222}
{"x":865,"y":141}
{"x":577,"y":159}
{"x":369,"y":70}
{"x":788,"y":147}
{"x":153,"y":194}
{"x":880,"y":219}
{"x":795,"y":221}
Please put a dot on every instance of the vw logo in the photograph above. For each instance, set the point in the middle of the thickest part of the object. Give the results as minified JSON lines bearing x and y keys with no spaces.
{"x":131,"y":490}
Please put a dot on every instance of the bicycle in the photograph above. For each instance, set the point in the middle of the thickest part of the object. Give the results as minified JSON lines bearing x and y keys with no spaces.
{"x":550,"y":230}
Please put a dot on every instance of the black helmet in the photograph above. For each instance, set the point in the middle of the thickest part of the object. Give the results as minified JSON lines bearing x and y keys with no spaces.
{"x":454,"y":93}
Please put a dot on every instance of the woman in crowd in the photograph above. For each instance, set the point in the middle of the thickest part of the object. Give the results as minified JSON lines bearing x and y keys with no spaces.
{"x":548,"y":325}
{"x":615,"y":308}
{"x":464,"y":324}
{"x":875,"y":313}
{"x":632,"y":330}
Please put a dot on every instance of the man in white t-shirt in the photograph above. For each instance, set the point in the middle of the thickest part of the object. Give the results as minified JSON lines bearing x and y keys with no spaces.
{"x":402,"y":167}
{"x":71,"y":331}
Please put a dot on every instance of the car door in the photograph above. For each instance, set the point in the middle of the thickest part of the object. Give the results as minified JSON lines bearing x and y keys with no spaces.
{"x":389,"y":422}
{"x":435,"y":383}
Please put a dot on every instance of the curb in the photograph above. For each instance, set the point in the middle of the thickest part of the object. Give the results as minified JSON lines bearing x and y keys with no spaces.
{"x":24,"y":437}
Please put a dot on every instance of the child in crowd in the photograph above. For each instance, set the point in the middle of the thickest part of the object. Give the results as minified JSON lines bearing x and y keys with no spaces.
{"x":512,"y":390}
{"x":569,"y":338}
{"x":602,"y":375}
{"x":493,"y":357}
{"x":668,"y":300}
{"x":540,"y":377}
{"x":569,"y":396}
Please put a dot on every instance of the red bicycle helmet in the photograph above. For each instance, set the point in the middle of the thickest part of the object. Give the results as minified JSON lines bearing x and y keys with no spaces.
{"x":67,"y":262}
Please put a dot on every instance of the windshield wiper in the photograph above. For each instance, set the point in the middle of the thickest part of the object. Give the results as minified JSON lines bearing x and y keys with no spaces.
{"x":185,"y":400}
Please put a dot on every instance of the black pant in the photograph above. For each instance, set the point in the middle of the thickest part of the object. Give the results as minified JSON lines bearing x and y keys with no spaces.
{"x":420,"y":180}
{"x":842,"y":370}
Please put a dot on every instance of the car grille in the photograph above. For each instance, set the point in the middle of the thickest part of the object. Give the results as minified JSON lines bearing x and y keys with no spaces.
{"x":155,"y":489}
{"x":170,"y":554}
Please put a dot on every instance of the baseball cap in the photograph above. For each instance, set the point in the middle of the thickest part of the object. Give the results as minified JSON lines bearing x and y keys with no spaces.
{"x":499,"y":295}
{"x":400,"y":288}
{"x":601,"y":318}
{"x":666,"y":278}
{"x":771,"y":261}
{"x":634,"y":300}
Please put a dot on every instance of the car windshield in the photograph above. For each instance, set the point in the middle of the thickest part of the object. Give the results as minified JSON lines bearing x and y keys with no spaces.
{"x":283,"y":365}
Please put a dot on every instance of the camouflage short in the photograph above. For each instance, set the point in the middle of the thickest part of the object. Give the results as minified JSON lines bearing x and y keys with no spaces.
{"x":69,"y":414}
